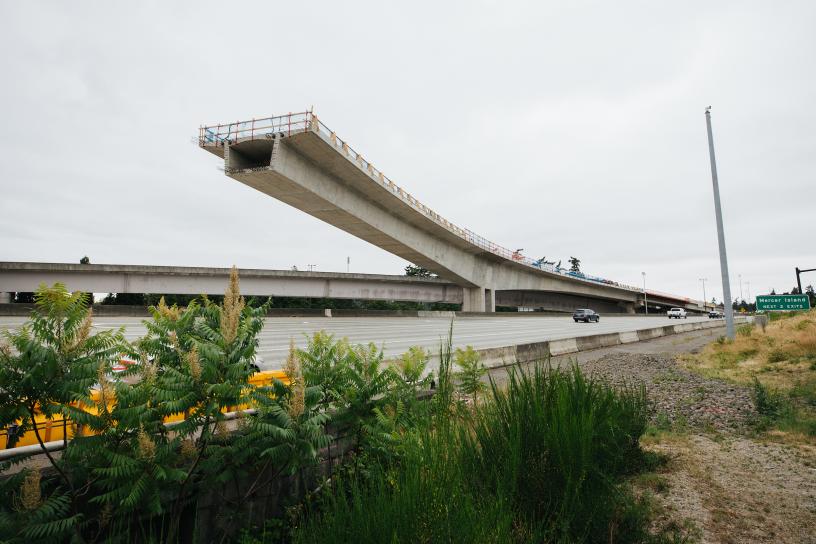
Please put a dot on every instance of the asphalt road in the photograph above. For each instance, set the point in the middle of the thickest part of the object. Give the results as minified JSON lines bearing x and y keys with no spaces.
{"x":397,"y":334}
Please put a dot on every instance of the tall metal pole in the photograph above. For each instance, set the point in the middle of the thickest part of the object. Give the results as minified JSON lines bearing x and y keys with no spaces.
{"x":645,"y":303}
{"x":798,"y":279}
{"x":727,"y":302}
{"x":704,"y":298}
{"x":740,"y":280}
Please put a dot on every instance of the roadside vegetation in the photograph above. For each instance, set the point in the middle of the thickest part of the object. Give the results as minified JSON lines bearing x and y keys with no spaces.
{"x":778,"y":361}
{"x":353,"y":448}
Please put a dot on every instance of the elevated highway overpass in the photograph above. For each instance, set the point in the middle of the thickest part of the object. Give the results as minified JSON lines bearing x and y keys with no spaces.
{"x":117,"y":278}
{"x":298,"y":160}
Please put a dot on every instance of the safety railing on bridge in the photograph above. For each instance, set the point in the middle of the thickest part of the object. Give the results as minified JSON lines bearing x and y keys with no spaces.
{"x":294,"y":123}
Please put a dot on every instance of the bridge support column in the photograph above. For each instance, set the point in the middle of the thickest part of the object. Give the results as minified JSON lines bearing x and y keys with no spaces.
{"x":478,"y":299}
{"x":628,"y":307}
{"x":5,"y":298}
{"x":490,"y":300}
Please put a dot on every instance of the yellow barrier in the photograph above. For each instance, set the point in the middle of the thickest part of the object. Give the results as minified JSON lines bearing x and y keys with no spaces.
{"x":61,"y":428}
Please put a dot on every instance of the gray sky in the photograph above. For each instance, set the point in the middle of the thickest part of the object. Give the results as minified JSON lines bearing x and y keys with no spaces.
{"x":563,"y":130}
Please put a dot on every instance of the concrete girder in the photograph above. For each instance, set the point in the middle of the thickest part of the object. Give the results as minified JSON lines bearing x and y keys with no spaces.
{"x":305,"y":171}
{"x":104,"y":278}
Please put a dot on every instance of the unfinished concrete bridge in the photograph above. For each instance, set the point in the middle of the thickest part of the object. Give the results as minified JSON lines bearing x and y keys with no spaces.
{"x":298,"y":160}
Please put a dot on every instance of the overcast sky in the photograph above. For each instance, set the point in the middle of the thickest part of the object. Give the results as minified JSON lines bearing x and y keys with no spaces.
{"x":563,"y":128}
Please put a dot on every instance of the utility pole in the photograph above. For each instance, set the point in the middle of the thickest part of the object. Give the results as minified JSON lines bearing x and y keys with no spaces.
{"x":727,"y":302}
{"x":704,"y":298}
{"x":348,"y":264}
{"x":645,"y":304}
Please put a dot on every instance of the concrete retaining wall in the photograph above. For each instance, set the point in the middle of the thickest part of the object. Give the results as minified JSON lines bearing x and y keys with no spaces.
{"x":537,"y":351}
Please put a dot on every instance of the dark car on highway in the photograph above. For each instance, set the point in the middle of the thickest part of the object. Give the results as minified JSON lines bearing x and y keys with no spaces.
{"x":586,"y":315}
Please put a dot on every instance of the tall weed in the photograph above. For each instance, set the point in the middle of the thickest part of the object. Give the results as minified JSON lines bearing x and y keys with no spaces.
{"x":556,"y":442}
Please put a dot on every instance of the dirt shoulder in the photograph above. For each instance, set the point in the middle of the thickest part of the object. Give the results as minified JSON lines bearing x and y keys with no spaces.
{"x":720,"y":479}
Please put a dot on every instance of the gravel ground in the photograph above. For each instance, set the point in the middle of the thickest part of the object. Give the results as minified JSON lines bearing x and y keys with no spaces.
{"x":736,"y":489}
{"x":678,"y":397}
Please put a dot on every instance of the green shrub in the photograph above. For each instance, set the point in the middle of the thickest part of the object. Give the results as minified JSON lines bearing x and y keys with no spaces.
{"x":423,"y":499}
{"x":542,"y":461}
{"x":745,"y":330}
{"x":554,"y":443}
{"x":804,"y":324}
{"x":471,"y":372}
{"x":777,"y":316}
{"x":747,"y":353}
{"x":777,"y":355}
{"x":768,"y":402}
{"x":805,"y":391}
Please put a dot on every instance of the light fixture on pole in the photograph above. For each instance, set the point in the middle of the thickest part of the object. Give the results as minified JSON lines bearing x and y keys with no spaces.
{"x":645,"y":303}
{"x":704,"y":297}
{"x":727,"y":302}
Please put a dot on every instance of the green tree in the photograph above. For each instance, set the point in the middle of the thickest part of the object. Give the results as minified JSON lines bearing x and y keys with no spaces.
{"x":124,"y":299}
{"x":575,"y":264}
{"x":411,"y":367}
{"x":413,"y":270}
{"x":48,"y":367}
{"x":22,"y":297}
{"x":471,"y":372}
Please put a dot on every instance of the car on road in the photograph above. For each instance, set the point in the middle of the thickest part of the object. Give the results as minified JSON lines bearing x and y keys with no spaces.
{"x":677,"y":313}
{"x":586,"y":315}
{"x":714,"y":315}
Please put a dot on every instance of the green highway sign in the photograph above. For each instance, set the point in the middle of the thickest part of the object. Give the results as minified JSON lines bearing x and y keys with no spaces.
{"x":782,"y":303}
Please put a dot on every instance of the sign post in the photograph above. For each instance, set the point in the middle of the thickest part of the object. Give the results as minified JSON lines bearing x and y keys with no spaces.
{"x":782,"y":303}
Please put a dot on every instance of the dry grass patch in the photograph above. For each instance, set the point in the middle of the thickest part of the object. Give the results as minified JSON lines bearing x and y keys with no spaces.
{"x":783,"y":356}
{"x":779,"y":362}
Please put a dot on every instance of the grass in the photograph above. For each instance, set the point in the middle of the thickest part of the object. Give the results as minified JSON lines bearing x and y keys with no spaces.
{"x":779,"y":363}
{"x":549,"y":458}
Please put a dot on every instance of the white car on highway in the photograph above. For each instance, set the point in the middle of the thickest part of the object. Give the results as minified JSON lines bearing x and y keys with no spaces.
{"x":678,"y":313}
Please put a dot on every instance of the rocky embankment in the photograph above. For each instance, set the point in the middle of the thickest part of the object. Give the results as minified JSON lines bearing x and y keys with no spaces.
{"x":677,"y":395}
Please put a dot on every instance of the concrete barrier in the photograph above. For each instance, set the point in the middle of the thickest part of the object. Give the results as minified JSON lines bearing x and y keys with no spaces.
{"x":597,"y":341}
{"x":629,"y":337}
{"x":566,"y":345}
{"x":648,"y":334}
{"x":684,"y":327}
{"x":534,"y":351}
{"x":537,"y":351}
{"x":436,"y":313}
{"x":497,"y":357}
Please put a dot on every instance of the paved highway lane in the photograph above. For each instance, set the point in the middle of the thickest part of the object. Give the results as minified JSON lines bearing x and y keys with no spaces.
{"x":397,"y":334}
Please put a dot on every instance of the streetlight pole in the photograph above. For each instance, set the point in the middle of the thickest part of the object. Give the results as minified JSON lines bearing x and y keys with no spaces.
{"x":704,"y":297}
{"x":645,"y":303}
{"x":727,"y":302}
{"x":740,"y":280}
